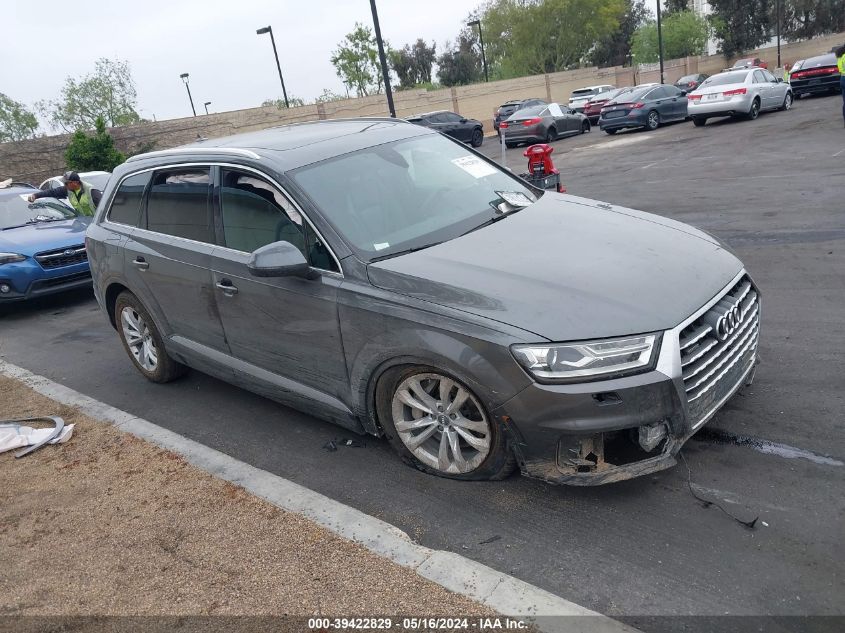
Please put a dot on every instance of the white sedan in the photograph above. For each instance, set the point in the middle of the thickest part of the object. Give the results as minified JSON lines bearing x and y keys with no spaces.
{"x":744,"y":92}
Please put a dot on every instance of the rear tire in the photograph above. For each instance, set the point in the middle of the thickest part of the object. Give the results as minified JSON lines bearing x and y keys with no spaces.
{"x":653,"y":121}
{"x":510,"y":145}
{"x":477,"y":137}
{"x":754,"y":112}
{"x":699,"y":122}
{"x":551,"y":135}
{"x":402,"y":393}
{"x":610,"y":131}
{"x":787,"y":102}
{"x":143,"y":342}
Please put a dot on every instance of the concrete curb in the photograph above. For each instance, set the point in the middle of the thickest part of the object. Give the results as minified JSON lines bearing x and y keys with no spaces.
{"x":501,"y":592}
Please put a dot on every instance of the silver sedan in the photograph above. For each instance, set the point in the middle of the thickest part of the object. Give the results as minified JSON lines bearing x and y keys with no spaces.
{"x":542,"y":124}
{"x":744,"y":92}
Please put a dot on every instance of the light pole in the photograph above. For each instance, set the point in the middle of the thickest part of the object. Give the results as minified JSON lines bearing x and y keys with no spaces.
{"x":481,"y":41}
{"x":184,"y":77}
{"x":659,"y":41}
{"x":206,"y":104}
{"x":777,"y":4}
{"x":269,"y":29}
{"x":385,"y":73}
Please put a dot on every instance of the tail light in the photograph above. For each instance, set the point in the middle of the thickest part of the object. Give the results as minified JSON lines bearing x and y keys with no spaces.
{"x":694,"y":97}
{"x":733,"y":93}
{"x":533,"y":121}
{"x":638,"y":105}
{"x":802,"y":74}
{"x":503,"y":124}
{"x":692,"y":84}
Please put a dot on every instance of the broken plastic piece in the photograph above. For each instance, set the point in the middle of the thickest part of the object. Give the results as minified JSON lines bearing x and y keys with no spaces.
{"x":22,"y":435}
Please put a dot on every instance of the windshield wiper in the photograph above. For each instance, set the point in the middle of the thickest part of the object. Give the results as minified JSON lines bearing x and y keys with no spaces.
{"x":403,"y":252}
{"x":493,"y":220}
{"x":44,"y":219}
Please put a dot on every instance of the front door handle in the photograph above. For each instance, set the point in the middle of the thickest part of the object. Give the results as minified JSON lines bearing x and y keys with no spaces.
{"x":141,"y":263}
{"x":228,"y":289}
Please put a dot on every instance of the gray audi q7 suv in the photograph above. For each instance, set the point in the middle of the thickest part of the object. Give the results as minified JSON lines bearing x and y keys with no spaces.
{"x":380,"y":275}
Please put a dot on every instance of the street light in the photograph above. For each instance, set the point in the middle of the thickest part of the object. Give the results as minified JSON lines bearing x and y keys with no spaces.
{"x":269,"y":29}
{"x":778,"y":12}
{"x":481,"y":41}
{"x":385,"y":73}
{"x":184,"y":77}
{"x":659,"y":41}
{"x":206,"y":104}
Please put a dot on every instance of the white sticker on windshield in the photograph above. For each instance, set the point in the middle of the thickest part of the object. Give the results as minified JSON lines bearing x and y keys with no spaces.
{"x":474,"y":166}
{"x":381,"y":246}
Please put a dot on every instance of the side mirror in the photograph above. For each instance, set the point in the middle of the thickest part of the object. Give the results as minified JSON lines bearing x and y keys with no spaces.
{"x":463,"y":120}
{"x":279,"y":259}
{"x":683,"y":93}
{"x":778,"y":80}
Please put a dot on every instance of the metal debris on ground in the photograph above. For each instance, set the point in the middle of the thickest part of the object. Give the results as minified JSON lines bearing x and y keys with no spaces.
{"x":331,"y":445}
{"x":17,"y":434}
{"x":492,"y":539}
{"x":707,"y":502}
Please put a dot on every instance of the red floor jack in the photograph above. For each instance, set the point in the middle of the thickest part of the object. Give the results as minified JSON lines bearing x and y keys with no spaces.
{"x":541,"y":170}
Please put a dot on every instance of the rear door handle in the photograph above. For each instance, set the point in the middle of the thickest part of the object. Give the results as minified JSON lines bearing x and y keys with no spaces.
{"x":140,"y":263}
{"x":228,"y":289}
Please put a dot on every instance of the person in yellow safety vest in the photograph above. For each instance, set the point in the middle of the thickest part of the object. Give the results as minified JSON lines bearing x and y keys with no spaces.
{"x":840,"y":64}
{"x":82,"y":196}
{"x":786,"y":68}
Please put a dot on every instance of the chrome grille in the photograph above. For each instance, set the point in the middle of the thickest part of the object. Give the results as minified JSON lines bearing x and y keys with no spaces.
{"x":715,"y":354}
{"x":62,"y":257}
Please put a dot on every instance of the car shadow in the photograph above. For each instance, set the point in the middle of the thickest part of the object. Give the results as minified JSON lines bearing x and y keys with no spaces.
{"x":61,"y":301}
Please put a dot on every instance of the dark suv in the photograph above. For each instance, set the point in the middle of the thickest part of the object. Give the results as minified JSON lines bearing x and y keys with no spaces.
{"x":509,"y":107}
{"x":389,"y":279}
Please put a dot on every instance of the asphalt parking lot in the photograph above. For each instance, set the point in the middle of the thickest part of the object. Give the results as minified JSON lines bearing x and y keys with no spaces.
{"x":773,"y":190}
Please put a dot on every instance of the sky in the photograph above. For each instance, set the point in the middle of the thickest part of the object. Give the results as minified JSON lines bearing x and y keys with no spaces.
{"x":215,"y":42}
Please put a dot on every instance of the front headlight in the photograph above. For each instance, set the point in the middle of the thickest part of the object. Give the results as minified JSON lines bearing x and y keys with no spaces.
{"x":588,"y":359}
{"x":10,"y":258}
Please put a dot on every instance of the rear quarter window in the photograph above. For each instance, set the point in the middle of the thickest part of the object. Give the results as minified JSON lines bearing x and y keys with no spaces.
{"x":126,"y":204}
{"x":179,"y":204}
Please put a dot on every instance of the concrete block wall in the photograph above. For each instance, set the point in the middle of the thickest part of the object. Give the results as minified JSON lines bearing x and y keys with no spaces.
{"x":38,"y":159}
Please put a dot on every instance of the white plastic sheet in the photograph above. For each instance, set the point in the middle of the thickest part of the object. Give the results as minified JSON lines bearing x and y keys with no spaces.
{"x":17,"y":436}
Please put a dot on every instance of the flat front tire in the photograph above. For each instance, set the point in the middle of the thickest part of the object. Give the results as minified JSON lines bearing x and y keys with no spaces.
{"x":142,"y":340}
{"x":438,"y":425}
{"x":787,"y":102}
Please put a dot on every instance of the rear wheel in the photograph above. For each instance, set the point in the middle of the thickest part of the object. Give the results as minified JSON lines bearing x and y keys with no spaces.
{"x":437,"y":424}
{"x":787,"y":102}
{"x":653,"y":121}
{"x":585,"y":127}
{"x":699,"y":121}
{"x":610,"y":131}
{"x":551,"y":135}
{"x":142,"y":340}
{"x":510,"y":145}
{"x":754,"y":112}
{"x":477,"y":137}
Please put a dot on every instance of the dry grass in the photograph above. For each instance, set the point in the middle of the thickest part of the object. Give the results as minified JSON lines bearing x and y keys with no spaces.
{"x":108,"y":524}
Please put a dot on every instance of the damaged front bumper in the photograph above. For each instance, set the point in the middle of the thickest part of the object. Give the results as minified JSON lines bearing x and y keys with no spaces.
{"x":610,"y":430}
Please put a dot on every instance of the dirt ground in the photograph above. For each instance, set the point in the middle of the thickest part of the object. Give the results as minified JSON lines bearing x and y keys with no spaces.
{"x":108,"y":524}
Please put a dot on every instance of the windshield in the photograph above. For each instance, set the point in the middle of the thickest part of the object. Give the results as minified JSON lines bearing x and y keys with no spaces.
{"x":687,"y":79}
{"x":611,"y":94}
{"x":529,"y":111}
{"x":409,"y":194}
{"x":584,"y":92}
{"x":15,"y":211}
{"x":633,"y":94}
{"x":724,"y":79}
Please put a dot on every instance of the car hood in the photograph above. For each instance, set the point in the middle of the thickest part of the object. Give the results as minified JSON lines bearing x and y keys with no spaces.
{"x":45,"y":236}
{"x":568,"y":268}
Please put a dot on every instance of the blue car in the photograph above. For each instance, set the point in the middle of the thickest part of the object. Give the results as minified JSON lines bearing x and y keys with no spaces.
{"x":42,"y":246}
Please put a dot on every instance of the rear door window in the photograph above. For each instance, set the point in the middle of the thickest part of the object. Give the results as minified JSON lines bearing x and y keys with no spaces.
{"x":179,"y":204}
{"x":126,"y":203}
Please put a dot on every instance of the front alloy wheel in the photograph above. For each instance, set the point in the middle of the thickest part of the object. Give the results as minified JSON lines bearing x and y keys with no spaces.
{"x":441,"y":423}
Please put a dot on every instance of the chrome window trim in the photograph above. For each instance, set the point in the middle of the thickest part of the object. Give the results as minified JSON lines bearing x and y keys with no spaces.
{"x":105,"y":219}
{"x":195,"y":150}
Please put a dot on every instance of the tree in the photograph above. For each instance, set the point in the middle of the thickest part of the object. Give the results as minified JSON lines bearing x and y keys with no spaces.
{"x":109,"y":93}
{"x":93,"y":153}
{"x":460,"y":63}
{"x":615,"y":50}
{"x":328,"y":96}
{"x":294,"y":102}
{"x":412,"y":64}
{"x":528,"y":37}
{"x":675,"y":6}
{"x":16,"y":122}
{"x":805,"y":19}
{"x":356,"y":62}
{"x":741,"y":25}
{"x":684,"y":34}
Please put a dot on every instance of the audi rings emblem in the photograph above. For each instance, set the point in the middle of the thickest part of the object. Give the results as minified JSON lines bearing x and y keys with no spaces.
{"x":729,"y":321}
